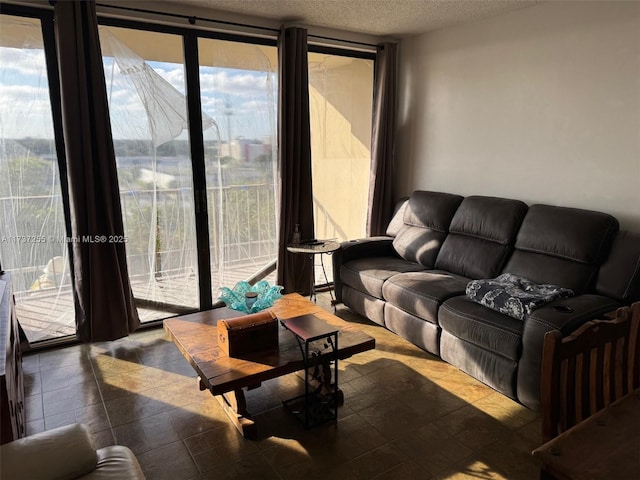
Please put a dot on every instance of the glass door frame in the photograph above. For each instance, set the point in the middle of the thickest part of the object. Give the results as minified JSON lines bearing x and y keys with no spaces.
{"x":190,"y":37}
{"x":55,"y":99}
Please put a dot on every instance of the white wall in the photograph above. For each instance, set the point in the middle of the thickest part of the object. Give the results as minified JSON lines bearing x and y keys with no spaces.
{"x":540,"y":104}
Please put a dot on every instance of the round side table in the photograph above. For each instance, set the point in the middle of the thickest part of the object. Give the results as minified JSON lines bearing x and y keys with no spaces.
{"x":312,"y":249}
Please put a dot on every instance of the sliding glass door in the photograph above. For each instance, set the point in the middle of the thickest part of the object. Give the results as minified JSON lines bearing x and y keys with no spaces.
{"x":198,"y":206}
{"x":239,"y":100}
{"x":144,"y":74}
{"x":194,"y":122}
{"x":33,"y":237}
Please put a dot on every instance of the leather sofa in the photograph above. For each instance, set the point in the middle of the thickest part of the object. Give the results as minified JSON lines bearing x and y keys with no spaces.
{"x":412,"y":281}
{"x":66,"y":453}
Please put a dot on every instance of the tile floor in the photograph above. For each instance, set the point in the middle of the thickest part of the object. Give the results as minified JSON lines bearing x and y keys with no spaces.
{"x":407,"y":414}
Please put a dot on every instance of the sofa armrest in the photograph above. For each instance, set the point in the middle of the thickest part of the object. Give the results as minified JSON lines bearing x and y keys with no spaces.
{"x":367,"y":247}
{"x":545,"y":319}
{"x":353,"y":249}
{"x":61,"y":453}
{"x":116,"y":462}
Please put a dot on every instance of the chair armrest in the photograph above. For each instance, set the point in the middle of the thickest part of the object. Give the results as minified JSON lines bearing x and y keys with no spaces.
{"x":353,"y":249}
{"x":61,"y":453}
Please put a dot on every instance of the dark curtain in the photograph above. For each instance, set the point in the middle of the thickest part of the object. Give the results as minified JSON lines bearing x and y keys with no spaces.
{"x":104,"y":303}
{"x":295,"y":271}
{"x":381,"y":195}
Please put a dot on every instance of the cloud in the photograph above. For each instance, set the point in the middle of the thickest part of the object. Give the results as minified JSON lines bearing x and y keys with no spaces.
{"x":122,"y":96}
{"x":242,"y":84}
{"x":25,"y":107}
{"x":22,"y":62}
{"x":22,"y":93}
{"x":175,"y":77}
{"x":253,"y":106}
{"x":128,"y":117}
{"x":25,"y":111}
{"x":213,"y":105}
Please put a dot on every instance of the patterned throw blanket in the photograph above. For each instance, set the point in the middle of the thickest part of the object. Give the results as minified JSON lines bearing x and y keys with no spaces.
{"x":514,"y":296}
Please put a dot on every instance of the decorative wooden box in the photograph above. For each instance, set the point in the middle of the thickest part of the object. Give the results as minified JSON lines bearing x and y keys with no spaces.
{"x":252,"y":333}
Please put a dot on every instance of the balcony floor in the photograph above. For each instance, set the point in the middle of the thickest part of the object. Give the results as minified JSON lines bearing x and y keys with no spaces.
{"x":48,"y":314}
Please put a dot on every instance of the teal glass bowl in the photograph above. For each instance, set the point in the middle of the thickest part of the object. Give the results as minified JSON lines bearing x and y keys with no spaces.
{"x":236,"y":298}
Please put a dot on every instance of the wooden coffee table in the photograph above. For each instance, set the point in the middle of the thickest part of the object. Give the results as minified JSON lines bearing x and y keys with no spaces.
{"x":225,"y":377}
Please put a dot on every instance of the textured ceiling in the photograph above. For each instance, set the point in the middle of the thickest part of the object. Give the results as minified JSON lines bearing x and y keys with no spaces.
{"x":396,"y":18}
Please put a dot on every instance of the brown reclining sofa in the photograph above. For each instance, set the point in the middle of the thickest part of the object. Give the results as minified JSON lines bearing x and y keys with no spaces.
{"x":412,"y":281}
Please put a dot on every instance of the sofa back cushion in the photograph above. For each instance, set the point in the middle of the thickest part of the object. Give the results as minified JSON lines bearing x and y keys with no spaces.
{"x":619,"y":276}
{"x":562,"y":246}
{"x":397,"y":221}
{"x":426,"y":221}
{"x":481,"y":236}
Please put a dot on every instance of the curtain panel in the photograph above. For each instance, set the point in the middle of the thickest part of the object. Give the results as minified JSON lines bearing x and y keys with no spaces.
{"x":381,"y":194}
{"x":295,"y":271}
{"x":104,"y":302}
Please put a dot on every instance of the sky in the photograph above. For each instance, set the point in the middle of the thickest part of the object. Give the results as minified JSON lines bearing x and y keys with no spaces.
{"x":25,"y":108}
{"x":241,"y":102}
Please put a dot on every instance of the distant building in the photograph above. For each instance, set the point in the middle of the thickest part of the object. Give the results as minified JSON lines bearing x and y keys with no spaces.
{"x":246,"y":150}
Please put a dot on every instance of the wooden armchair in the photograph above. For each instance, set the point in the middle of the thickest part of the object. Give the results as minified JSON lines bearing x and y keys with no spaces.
{"x":588,"y":370}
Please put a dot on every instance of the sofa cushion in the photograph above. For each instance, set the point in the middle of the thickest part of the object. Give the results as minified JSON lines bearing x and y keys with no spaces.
{"x":426,"y":221}
{"x":547,"y":269}
{"x":491,"y":218}
{"x":418,"y":244}
{"x":397,"y":221}
{"x":562,"y":246}
{"x":363,"y":304}
{"x":418,"y":331}
{"x":472,"y":257}
{"x":582,"y":236}
{"x":490,"y":368}
{"x":481,"y":235}
{"x":422,"y":293}
{"x":368,"y":274}
{"x":432,"y":210}
{"x":619,"y":276}
{"x":480,"y":326}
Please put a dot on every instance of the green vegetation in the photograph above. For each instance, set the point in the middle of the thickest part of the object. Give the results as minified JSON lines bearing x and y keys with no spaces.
{"x":244,"y":223}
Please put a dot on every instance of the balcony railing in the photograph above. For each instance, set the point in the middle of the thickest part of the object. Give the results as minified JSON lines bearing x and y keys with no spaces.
{"x":246,"y":242}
